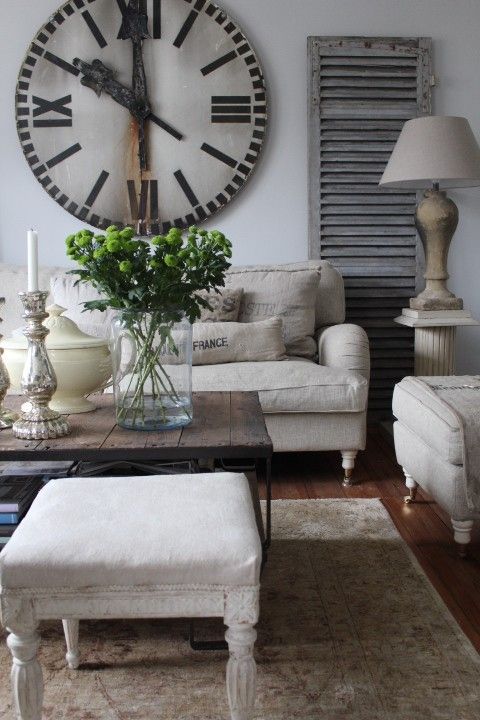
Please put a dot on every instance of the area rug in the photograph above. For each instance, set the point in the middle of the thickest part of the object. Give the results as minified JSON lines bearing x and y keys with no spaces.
{"x":350,"y":629}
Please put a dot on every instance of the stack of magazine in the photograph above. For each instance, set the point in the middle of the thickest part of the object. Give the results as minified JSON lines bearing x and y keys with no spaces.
{"x":16,"y":495}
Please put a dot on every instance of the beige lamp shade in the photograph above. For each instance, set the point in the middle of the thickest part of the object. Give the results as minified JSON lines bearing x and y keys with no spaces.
{"x":434,"y":149}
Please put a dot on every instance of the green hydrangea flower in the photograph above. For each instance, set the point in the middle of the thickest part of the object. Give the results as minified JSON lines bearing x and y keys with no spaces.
{"x":153,"y":263}
{"x":170,"y":260}
{"x":111,"y":228}
{"x":127,"y":233}
{"x":125,"y":266}
{"x":193,"y":229}
{"x":99,"y":253}
{"x":83,"y":241}
{"x":113,"y":244}
{"x":158,"y":240}
{"x":70,"y":241}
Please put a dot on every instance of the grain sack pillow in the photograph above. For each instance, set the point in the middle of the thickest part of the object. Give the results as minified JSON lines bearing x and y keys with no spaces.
{"x":289,"y":294}
{"x":221,"y":342}
{"x":225,"y":305}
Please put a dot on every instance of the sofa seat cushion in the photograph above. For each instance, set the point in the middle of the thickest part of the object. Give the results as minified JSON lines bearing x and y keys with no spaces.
{"x":294,"y":385}
{"x":125,"y":532}
{"x":429,"y":419}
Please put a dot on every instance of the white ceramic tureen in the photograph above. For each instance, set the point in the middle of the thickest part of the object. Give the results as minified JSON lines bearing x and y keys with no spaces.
{"x":82,"y":363}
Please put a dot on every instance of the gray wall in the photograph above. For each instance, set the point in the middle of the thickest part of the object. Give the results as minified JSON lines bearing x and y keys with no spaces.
{"x":268,"y":221}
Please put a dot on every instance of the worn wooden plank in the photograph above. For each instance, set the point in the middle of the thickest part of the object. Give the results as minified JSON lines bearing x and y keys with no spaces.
{"x":211,"y":422}
{"x":88,"y":431}
{"x":247,"y":421}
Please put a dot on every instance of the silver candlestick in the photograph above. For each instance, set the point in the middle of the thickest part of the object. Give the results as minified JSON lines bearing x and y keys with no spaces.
{"x":39,"y":382}
{"x":7,"y":417}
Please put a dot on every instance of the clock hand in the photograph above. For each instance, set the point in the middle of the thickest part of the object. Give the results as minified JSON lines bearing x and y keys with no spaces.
{"x":100,"y":78}
{"x":134,"y":27}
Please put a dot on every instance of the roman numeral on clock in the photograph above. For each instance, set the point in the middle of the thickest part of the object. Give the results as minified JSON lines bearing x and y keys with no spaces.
{"x":139,"y":201}
{"x":94,"y":29}
{"x":231,"y":109}
{"x":63,"y":155}
{"x":56,"y":106}
{"x":188,"y":192}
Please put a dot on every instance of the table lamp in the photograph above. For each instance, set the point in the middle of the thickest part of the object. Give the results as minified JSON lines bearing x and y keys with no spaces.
{"x":435,"y":152}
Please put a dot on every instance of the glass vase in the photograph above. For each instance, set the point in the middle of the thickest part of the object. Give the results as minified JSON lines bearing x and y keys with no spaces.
{"x":152,"y":369}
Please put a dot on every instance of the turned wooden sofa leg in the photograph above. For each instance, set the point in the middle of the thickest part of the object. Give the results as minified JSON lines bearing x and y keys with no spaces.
{"x":462,"y":534}
{"x":71,"y":628}
{"x":26,"y":676}
{"x":348,"y":463}
{"x":412,"y":487}
{"x":241,"y":671}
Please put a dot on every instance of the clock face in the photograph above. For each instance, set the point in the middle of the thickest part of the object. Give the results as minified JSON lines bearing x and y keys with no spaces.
{"x":147,"y":112}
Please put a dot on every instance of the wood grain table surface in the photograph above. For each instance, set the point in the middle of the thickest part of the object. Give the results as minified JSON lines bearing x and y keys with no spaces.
{"x":225,"y":424}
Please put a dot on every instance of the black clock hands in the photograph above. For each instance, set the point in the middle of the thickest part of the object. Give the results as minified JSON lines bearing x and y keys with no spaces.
{"x":135,"y":28}
{"x":101,"y":79}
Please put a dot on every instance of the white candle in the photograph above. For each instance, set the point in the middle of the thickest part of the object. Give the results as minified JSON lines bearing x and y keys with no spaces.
{"x":32,"y":252}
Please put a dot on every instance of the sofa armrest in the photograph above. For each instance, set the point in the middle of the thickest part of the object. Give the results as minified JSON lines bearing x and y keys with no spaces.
{"x":345,"y":346}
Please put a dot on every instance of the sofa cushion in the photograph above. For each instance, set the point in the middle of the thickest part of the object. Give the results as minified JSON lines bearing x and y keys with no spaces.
{"x":289,"y":294}
{"x":429,"y":419}
{"x":225,"y":305}
{"x":295,"y":385}
{"x":224,"y":342}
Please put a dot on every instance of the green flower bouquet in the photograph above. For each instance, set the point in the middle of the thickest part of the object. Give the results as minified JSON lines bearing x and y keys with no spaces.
{"x":153,"y":285}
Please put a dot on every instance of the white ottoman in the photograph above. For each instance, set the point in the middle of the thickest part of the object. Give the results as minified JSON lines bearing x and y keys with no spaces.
{"x":127,"y":547}
{"x":429,"y":446}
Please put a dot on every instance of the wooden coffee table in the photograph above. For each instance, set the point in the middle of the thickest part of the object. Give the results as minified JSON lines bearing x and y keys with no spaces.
{"x":226,"y":426}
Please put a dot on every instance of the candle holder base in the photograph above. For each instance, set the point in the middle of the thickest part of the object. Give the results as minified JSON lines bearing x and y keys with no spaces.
{"x":37,"y":420}
{"x":40,"y":423}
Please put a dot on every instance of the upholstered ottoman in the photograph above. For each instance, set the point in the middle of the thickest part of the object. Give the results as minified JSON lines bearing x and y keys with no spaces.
{"x":124,"y":547}
{"x":429,"y":446}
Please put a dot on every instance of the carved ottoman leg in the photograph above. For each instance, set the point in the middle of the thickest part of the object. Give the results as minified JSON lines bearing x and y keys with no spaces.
{"x":348,"y":463}
{"x":27,"y":679}
{"x":70,"y":628}
{"x":241,"y":671}
{"x":412,"y":488}
{"x":462,"y":534}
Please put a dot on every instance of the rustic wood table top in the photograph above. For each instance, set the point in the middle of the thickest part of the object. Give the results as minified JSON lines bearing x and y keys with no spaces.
{"x":225,"y":424}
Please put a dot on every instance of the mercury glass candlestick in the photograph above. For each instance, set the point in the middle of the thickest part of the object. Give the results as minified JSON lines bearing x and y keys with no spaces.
{"x":39,"y":421}
{"x":7,"y":417}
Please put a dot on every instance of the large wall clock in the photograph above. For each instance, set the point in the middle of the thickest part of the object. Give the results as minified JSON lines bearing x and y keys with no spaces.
{"x":147,"y":110}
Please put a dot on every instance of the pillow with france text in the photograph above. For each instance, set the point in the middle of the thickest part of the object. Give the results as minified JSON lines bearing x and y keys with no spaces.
{"x":225,"y":342}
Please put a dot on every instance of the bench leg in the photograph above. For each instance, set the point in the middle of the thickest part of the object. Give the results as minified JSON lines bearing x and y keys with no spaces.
{"x":412,"y":487}
{"x":462,"y":533}
{"x":70,"y":628}
{"x":27,"y":679}
{"x":241,"y":671}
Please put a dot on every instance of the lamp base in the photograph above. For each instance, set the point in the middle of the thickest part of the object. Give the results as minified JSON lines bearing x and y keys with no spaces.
{"x":436,"y":220}
{"x":435,"y":300}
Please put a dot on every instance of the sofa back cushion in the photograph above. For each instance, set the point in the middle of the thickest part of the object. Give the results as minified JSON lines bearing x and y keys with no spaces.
{"x":330,"y":295}
{"x":289,"y":294}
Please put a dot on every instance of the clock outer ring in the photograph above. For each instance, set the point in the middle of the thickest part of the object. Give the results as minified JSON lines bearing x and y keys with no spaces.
{"x":244,"y":168}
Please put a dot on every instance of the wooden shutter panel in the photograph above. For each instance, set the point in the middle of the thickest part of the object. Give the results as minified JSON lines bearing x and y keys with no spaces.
{"x":361,"y":92}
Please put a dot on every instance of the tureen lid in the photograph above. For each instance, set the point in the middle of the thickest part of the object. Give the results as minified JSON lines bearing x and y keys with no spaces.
{"x":64,"y":334}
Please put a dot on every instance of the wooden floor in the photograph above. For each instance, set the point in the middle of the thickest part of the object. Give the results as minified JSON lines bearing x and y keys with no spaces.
{"x":423,"y":525}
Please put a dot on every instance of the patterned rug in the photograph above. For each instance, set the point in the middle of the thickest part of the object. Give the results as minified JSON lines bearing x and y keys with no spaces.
{"x":350,"y":629}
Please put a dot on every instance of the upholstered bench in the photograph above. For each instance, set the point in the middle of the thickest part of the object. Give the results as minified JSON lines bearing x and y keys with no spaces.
{"x":429,"y":446}
{"x":128,"y":547}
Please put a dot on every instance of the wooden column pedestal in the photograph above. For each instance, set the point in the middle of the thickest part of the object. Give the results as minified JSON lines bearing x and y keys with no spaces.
{"x":435,"y":334}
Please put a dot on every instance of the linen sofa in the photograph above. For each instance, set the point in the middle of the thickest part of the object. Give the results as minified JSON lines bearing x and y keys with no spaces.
{"x":309,"y":404}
